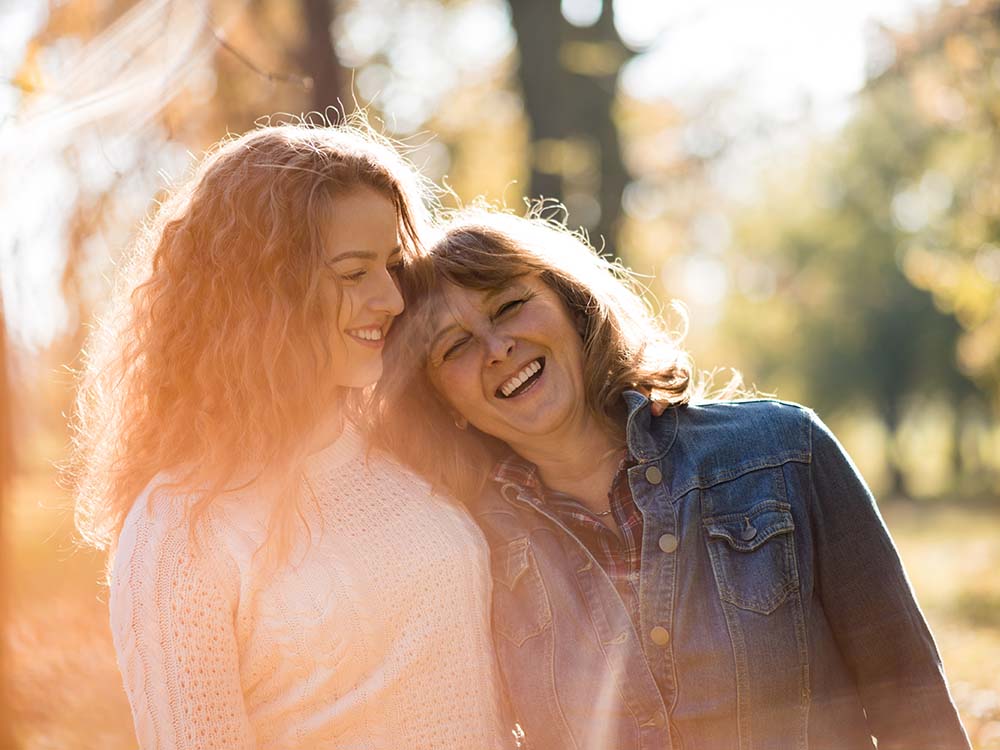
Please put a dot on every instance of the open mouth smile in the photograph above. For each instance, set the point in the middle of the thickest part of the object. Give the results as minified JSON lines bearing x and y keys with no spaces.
{"x":370,"y":336}
{"x":522,"y":380}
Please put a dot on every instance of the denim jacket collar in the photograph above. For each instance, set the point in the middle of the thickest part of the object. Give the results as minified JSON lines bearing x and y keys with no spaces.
{"x":648,"y":441}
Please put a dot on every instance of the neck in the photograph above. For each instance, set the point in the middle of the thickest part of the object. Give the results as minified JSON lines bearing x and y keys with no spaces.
{"x":581,"y":465}
{"x":329,"y":428}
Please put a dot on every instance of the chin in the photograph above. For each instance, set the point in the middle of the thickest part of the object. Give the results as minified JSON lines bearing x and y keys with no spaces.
{"x":362,"y":377}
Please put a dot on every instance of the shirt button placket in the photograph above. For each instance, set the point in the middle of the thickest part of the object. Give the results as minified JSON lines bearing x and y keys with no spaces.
{"x":659,"y":635}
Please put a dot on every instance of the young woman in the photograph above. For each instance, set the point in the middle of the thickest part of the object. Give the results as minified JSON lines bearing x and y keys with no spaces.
{"x":271,"y":587}
{"x":717,"y":576}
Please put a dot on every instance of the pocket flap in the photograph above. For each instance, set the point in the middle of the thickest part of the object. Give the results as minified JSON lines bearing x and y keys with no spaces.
{"x":749,"y":530}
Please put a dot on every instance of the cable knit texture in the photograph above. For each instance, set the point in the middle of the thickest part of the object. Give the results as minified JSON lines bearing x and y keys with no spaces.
{"x":375,"y":633}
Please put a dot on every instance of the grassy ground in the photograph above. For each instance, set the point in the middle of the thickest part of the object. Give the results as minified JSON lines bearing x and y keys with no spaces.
{"x":66,"y":691}
{"x":952,"y":556}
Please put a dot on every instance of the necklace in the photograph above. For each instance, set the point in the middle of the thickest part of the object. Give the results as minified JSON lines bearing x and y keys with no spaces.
{"x":604,"y":513}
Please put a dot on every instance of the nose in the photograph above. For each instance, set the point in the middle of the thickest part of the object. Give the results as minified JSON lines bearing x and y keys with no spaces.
{"x":388,"y":298}
{"x":498,"y":347}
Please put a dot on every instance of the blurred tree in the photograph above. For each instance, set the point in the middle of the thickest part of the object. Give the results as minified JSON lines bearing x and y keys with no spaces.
{"x":844,"y":319}
{"x":569,"y":77}
{"x":319,"y":59}
{"x":139,"y":107}
{"x":944,"y":84}
{"x":877,"y":272}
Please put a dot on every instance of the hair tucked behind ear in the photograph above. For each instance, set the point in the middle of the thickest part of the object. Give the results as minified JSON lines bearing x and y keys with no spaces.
{"x":625,"y":344}
{"x":211,"y":365}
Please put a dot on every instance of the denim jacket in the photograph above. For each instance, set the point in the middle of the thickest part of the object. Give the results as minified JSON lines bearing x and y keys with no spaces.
{"x":775,"y":612}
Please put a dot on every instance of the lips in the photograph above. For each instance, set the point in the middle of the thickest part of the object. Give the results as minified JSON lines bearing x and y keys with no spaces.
{"x":522,"y":380}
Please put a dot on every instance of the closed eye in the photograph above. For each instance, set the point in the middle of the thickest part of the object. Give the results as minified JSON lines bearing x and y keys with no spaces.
{"x":353,"y":275}
{"x":508,"y":307}
{"x":455,"y":348}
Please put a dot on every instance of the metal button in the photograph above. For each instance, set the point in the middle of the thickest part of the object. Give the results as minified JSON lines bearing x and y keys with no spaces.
{"x":668,"y":543}
{"x":659,"y":636}
{"x":654,"y":475}
{"x":749,"y":530}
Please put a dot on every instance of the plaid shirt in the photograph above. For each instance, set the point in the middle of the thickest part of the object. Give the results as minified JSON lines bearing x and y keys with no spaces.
{"x":619,"y":557}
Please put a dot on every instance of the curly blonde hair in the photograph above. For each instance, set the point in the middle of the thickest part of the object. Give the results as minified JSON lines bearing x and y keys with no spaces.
{"x":626,"y":345}
{"x":213,"y":359}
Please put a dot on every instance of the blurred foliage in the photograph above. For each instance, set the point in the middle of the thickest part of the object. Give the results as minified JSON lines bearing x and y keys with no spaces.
{"x":869,"y":278}
{"x":945,"y":90}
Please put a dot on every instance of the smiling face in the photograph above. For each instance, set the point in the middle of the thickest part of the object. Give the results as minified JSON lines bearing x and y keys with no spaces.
{"x":363,"y":253}
{"x":510,"y":361}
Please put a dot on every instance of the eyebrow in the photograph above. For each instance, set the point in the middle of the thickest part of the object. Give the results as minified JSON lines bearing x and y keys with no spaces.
{"x":436,"y":338}
{"x":448,"y":328}
{"x":350,"y":254}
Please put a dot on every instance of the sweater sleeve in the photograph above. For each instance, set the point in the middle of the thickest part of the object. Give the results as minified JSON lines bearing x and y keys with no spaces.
{"x":172,"y":622}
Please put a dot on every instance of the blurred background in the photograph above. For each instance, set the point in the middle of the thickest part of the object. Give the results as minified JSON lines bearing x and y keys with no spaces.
{"x":818,"y":183}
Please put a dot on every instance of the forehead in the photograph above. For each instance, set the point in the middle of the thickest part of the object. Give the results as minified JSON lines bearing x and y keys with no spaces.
{"x":453,"y":303}
{"x":361,"y":213}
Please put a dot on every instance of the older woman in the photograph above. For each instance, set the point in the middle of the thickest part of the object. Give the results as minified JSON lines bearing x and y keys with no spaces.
{"x":717,"y":576}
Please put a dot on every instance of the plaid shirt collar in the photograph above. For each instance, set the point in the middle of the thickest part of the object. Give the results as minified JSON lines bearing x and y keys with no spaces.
{"x":619,"y":558}
{"x":512,"y":469}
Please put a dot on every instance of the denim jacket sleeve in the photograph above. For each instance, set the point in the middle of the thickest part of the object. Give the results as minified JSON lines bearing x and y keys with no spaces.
{"x":872,"y":611}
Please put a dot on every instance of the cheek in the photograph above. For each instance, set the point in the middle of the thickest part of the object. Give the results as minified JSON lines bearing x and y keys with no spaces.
{"x":343,"y":306}
{"x":577,"y":362}
{"x":444,"y":384}
{"x":453,"y":386}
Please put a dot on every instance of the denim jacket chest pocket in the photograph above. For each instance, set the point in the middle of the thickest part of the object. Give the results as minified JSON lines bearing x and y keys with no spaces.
{"x":520,"y":603}
{"x":751,"y":543}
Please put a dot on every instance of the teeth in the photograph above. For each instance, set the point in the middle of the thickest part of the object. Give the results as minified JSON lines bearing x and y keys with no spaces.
{"x":369,"y":334}
{"x":518,"y":380}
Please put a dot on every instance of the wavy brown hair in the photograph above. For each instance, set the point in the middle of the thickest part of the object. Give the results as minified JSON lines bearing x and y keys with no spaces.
{"x":626,"y":344}
{"x":211,"y":365}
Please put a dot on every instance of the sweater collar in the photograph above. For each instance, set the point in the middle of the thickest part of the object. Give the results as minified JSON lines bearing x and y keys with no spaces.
{"x":348,"y":446}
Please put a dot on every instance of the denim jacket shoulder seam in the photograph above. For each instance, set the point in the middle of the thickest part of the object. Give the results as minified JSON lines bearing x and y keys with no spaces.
{"x":773,"y":462}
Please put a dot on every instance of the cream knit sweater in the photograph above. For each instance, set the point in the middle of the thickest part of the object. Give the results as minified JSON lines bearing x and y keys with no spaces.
{"x":374,"y":635}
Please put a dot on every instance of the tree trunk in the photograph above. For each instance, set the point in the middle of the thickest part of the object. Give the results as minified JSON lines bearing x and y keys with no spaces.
{"x":539,"y":27}
{"x":891,"y":414}
{"x":569,"y":78}
{"x":613,"y":176}
{"x":319,"y":58}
